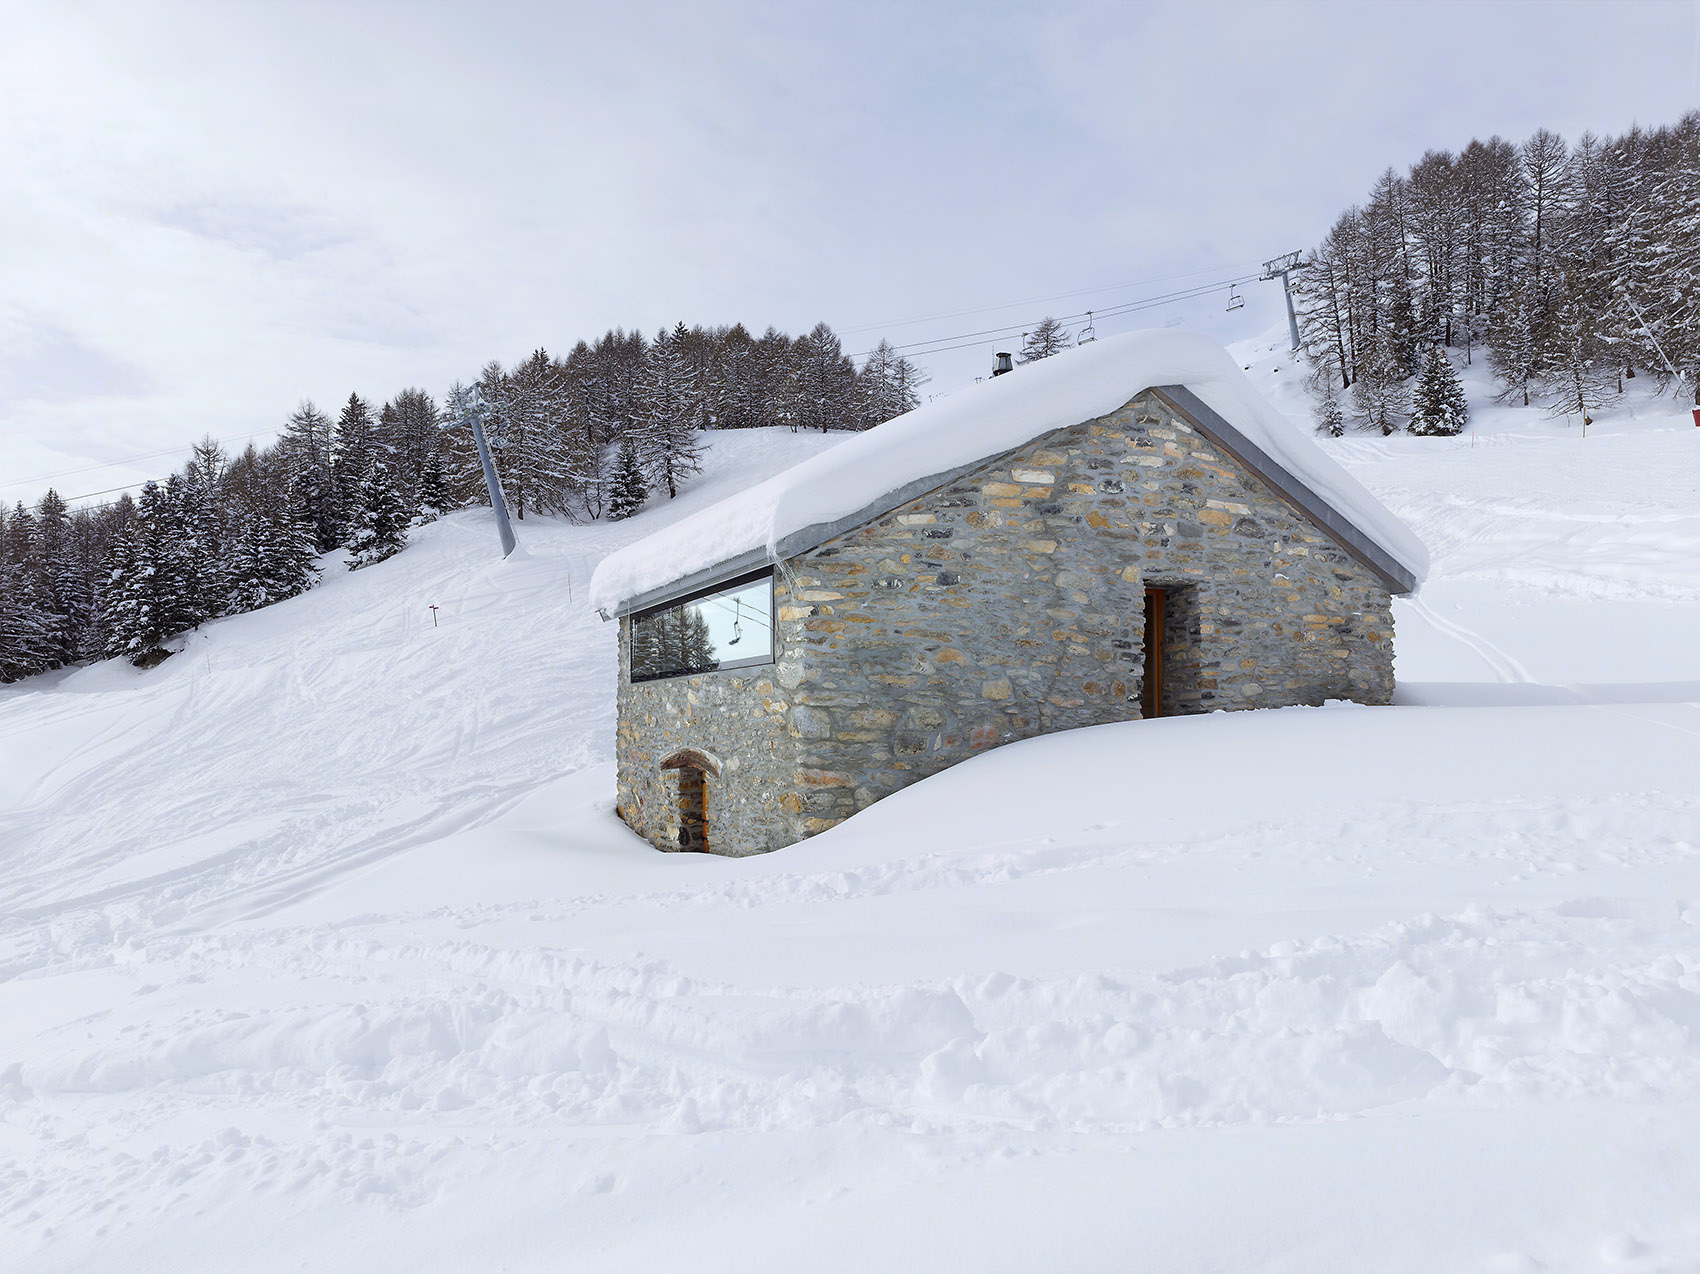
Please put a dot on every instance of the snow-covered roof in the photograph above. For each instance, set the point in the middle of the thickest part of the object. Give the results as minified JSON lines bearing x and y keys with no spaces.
{"x":871,"y":473}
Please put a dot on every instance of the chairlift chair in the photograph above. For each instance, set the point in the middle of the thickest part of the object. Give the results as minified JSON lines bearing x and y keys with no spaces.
{"x":1235,"y":300}
{"x":1087,"y":335}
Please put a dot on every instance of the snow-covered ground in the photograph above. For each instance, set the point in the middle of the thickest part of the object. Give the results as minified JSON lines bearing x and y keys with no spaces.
{"x":321,"y":948}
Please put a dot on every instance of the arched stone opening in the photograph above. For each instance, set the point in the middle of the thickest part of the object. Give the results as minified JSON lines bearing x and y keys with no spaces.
{"x":689,"y":829}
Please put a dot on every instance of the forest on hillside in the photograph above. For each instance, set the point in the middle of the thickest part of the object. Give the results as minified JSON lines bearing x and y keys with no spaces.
{"x":590,"y":435}
{"x":1572,"y":267}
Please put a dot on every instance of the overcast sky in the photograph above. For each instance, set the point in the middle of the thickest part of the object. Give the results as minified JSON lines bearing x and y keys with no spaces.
{"x":211,"y":211}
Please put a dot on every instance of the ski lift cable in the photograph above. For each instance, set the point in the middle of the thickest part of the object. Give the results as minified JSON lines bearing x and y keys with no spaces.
{"x":123,"y":460}
{"x":1000,"y":333}
{"x":1139,"y":303}
{"x":1055,"y":296}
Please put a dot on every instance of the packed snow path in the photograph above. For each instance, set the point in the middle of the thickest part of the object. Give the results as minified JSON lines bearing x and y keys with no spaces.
{"x":321,"y":946}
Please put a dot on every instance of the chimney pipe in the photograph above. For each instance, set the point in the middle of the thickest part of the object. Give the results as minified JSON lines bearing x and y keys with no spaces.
{"x":1003,"y":365}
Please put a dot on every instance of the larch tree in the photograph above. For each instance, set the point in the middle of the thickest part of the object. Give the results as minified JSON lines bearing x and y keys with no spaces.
{"x":1048,"y":337}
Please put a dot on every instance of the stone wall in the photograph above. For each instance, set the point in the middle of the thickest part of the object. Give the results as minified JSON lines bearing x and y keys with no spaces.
{"x":1008,"y":604}
{"x":739,"y":720}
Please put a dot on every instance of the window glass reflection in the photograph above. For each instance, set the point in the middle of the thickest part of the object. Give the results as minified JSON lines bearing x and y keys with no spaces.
{"x":728,"y":629}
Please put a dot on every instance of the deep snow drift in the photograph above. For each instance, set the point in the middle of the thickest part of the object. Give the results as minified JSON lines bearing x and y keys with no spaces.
{"x":320,"y":946}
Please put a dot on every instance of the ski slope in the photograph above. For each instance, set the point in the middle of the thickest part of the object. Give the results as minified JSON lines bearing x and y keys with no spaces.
{"x":321,"y":947}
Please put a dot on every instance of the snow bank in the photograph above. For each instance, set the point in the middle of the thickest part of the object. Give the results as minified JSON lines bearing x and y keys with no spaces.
{"x":976,"y":424}
{"x":321,"y":943}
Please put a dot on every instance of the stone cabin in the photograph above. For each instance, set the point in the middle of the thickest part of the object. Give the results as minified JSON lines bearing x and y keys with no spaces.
{"x":901,"y":602}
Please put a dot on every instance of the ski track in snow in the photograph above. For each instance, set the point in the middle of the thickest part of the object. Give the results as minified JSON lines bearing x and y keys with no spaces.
{"x":325,"y":919}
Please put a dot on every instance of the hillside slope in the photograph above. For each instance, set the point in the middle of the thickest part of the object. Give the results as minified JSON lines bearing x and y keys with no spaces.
{"x":321,"y":946}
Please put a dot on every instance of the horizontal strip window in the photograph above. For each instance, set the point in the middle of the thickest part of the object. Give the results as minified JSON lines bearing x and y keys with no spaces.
{"x":729,"y":626}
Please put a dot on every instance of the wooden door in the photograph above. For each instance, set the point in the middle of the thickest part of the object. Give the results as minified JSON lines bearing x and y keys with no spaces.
{"x":1151,"y":687}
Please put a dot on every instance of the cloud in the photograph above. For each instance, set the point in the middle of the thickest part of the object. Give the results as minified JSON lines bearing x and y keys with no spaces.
{"x":212,"y":211}
{"x":50,"y":365}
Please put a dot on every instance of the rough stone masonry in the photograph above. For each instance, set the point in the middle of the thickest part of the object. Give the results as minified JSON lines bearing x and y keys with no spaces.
{"x":1005,"y":604}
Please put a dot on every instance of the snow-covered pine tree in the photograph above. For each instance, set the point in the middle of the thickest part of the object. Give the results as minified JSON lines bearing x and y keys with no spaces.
{"x":537,"y":462}
{"x":825,"y":382}
{"x":380,"y":520}
{"x":629,"y":490}
{"x":114,"y":595}
{"x":199,"y":546}
{"x":355,"y":449}
{"x":305,"y":452}
{"x":188,"y":560}
{"x":248,"y":580}
{"x":434,"y":498}
{"x":292,"y":563}
{"x":411,"y":434}
{"x":29,"y":636}
{"x":62,"y":585}
{"x":890,"y":384}
{"x":1439,"y":408}
{"x":154,"y":594}
{"x":1047,"y":338}
{"x":667,"y":443}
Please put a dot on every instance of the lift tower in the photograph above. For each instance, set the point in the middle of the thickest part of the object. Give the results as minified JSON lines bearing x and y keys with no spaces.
{"x":1280,"y":268}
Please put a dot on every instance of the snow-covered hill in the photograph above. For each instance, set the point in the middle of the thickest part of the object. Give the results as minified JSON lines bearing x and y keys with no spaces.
{"x":322,"y":948}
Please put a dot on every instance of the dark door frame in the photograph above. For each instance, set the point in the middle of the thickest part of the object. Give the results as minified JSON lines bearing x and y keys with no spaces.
{"x":1151,"y":683}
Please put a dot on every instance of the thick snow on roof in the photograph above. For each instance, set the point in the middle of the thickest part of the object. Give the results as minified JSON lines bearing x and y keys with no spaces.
{"x":976,"y":424}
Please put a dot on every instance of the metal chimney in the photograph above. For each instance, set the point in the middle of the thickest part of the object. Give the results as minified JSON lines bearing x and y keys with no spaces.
{"x":1003,"y":365}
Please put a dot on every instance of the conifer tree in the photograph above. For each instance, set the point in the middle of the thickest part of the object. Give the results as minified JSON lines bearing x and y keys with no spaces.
{"x":355,"y":448}
{"x":154,"y":598}
{"x":62,"y":586}
{"x":667,"y":443}
{"x":1515,"y":348}
{"x":629,"y":489}
{"x":1380,"y":392}
{"x":890,"y":385}
{"x":305,"y":450}
{"x":1330,"y":419}
{"x":249,"y":576}
{"x":434,"y":498}
{"x":29,"y":636}
{"x":1439,"y":409}
{"x":292,"y":563}
{"x":113,"y":596}
{"x":380,"y":525}
{"x":1047,"y":338}
{"x":1572,"y":369}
